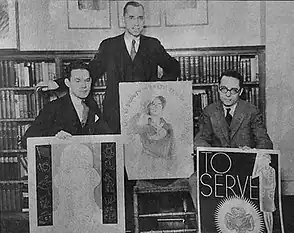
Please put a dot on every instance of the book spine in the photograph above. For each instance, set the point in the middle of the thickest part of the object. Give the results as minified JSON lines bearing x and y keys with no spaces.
{"x":8,"y":104}
{"x":2,"y":176}
{"x":12,"y":76}
{"x":5,"y":74}
{"x":1,"y":198}
{"x":2,"y":82}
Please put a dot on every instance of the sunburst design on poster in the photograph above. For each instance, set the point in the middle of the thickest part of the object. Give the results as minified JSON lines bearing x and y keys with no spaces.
{"x":238,"y":215}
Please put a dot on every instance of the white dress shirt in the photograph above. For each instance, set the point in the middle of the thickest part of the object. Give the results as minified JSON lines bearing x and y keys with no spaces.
{"x":128,"y":41}
{"x":232,"y":111}
{"x":77,"y":103}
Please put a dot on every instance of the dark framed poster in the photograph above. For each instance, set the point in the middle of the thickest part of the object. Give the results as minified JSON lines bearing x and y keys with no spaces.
{"x":239,"y":191}
{"x":76,"y":185}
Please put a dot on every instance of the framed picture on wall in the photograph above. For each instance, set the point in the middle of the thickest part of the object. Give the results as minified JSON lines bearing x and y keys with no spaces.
{"x":8,"y":25}
{"x":186,"y":13}
{"x":88,"y":14}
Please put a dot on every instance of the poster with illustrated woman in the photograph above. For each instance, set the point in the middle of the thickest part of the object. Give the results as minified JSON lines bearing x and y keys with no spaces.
{"x":157,"y":128}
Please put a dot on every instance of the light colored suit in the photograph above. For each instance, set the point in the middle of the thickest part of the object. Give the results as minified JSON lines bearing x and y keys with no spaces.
{"x":246,"y":129}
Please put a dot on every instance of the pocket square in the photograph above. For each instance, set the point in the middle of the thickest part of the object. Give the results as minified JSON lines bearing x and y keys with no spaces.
{"x":96,"y":118}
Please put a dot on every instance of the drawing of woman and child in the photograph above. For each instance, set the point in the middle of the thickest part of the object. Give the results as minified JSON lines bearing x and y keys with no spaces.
{"x":156,"y":136}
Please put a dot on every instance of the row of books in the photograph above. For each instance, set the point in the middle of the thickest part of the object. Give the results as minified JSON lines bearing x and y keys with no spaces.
{"x":10,"y":135}
{"x":25,"y":74}
{"x":251,"y":95}
{"x":9,"y":168}
{"x":99,"y":97}
{"x":13,"y":197}
{"x":199,"y":69}
{"x":18,"y":104}
{"x":101,"y":81}
{"x":207,"y":69}
{"x":202,"y":98}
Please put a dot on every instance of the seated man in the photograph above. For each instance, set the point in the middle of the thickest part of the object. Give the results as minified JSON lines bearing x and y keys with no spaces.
{"x":230,"y":122}
{"x":76,"y":113}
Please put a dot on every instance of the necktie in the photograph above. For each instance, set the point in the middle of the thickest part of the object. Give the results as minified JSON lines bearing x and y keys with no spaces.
{"x":85,"y":113}
{"x":228,"y":116}
{"x":133,"y":50}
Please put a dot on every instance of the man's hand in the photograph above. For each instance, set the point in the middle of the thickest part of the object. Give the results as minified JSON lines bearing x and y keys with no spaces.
{"x":47,"y":85}
{"x":63,"y":135}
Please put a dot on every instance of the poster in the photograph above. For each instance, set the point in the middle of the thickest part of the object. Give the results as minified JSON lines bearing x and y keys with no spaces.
{"x":239,"y":191}
{"x":157,"y":128}
{"x":8,"y":24}
{"x":76,"y":185}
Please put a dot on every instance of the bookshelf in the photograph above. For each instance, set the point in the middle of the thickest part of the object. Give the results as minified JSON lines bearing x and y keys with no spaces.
{"x":20,"y":103}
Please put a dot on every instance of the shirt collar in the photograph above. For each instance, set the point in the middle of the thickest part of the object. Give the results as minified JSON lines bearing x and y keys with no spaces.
{"x":75,"y":100}
{"x":233,"y":108}
{"x":128,"y":38}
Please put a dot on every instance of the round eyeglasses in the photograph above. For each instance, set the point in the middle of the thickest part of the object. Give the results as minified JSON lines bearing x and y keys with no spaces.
{"x":232,"y":91}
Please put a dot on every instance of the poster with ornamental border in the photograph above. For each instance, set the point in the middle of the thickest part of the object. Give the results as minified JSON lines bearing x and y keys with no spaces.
{"x":76,"y":185}
{"x":239,"y":191}
{"x":157,"y":129}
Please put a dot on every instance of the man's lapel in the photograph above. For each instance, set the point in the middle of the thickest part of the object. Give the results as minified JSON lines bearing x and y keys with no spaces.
{"x":125,"y":50}
{"x":122,"y":57}
{"x":237,"y":118}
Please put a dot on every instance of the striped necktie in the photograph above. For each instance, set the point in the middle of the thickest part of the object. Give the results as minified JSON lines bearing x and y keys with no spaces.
{"x":133,"y":50}
{"x":85,"y":113}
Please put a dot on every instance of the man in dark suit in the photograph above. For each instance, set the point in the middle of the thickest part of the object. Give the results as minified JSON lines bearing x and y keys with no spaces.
{"x":72,"y":114}
{"x":129,"y":57}
{"x":230,"y":122}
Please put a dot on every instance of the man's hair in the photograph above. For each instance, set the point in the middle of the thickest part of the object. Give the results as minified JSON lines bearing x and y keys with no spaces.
{"x":132,"y":3}
{"x":76,"y":65}
{"x":234,"y":74}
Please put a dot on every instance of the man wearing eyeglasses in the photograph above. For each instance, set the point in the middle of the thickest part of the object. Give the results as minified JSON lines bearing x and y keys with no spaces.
{"x":232,"y":122}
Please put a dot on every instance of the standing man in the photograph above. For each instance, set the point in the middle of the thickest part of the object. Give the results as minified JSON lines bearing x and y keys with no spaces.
{"x":230,"y":122}
{"x":130,"y":57}
{"x":71,"y":114}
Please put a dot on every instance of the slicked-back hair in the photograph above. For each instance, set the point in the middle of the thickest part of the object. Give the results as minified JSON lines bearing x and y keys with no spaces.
{"x":132,"y":3}
{"x":76,"y":65}
{"x":234,"y":74}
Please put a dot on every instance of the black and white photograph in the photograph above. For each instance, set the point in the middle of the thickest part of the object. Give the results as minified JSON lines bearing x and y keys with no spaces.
{"x":164,"y":78}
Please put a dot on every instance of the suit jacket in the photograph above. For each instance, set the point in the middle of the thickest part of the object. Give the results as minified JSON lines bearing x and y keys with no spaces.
{"x":113,"y":59}
{"x":61,"y":115}
{"x":246,"y":129}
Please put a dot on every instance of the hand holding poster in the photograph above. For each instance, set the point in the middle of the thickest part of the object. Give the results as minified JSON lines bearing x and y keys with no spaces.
{"x":239,"y":191}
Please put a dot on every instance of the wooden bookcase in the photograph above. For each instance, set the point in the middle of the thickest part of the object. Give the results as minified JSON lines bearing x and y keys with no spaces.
{"x":20,"y":71}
